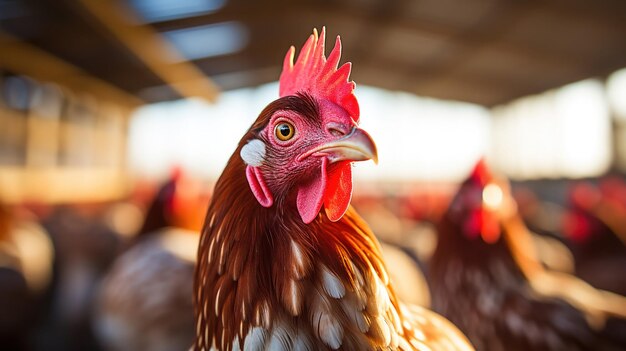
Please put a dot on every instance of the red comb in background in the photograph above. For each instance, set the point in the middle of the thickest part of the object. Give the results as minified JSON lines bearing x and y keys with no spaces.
{"x":584,"y":195}
{"x":314,"y":74}
{"x":481,"y":173}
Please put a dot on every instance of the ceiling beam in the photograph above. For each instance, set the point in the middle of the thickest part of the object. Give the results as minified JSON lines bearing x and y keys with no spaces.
{"x":22,"y":58}
{"x":466,"y":40}
{"x":471,"y":41}
{"x":152,"y":49}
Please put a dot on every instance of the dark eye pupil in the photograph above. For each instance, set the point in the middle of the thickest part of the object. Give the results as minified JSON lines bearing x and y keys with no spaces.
{"x":284,"y":130}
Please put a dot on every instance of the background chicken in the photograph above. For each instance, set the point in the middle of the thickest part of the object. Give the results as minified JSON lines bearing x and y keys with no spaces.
{"x":487,"y":279}
{"x":284,"y":261}
{"x":26,"y":258}
{"x":145,"y":299}
{"x":595,"y":225}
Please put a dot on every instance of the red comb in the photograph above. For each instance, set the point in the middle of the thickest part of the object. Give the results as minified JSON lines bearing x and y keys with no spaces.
{"x":314,"y":74}
{"x":481,"y":173}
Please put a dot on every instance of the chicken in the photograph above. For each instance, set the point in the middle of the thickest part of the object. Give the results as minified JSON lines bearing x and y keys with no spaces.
{"x":26,"y":259}
{"x":596,"y":227}
{"x":145,"y":299}
{"x":85,"y":246}
{"x":285,"y":263}
{"x":485,"y":277}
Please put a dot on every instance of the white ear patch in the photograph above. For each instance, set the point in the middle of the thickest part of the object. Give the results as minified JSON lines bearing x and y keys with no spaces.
{"x":253,"y":153}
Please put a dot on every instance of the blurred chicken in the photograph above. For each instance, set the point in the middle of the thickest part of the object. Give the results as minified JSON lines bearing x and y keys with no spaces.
{"x":85,"y":247}
{"x":145,"y":299}
{"x":26,"y":259}
{"x":596,"y":227}
{"x":487,"y":279}
{"x":544,"y":220}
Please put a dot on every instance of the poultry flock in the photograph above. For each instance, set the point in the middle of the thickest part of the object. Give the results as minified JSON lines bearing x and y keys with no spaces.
{"x":487,"y":278}
{"x":284,"y":262}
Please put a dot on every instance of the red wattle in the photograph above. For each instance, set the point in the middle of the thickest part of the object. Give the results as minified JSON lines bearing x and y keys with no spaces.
{"x":332,"y":188}
{"x":338,"y":191}
{"x":484,"y":223}
{"x":311,"y":195}
{"x":490,"y":230}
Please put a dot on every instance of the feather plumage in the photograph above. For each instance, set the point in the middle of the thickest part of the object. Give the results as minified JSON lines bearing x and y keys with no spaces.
{"x":498,"y":293}
{"x":310,"y":273}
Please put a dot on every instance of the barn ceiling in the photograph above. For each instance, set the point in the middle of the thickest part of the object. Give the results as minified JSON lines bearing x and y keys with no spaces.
{"x":481,"y":51}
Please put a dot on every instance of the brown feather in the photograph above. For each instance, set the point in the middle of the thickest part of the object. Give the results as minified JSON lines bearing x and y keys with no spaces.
{"x":322,"y":285}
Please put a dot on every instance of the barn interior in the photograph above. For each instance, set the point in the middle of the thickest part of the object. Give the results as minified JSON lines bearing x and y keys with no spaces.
{"x":106,"y":104}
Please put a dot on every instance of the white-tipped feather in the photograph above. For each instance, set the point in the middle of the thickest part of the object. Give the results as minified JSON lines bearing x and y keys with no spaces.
{"x":356,"y":316}
{"x":236,"y":346}
{"x":353,"y":308}
{"x":395,"y":319}
{"x":382,"y":297}
{"x":381,"y":330}
{"x":210,"y":254}
{"x":358,"y":275}
{"x":255,"y":340}
{"x":262,"y":315}
{"x":253,"y":153}
{"x":331,"y":332}
{"x":297,"y":253}
{"x":302,"y":342}
{"x":325,"y":326}
{"x":222,"y":260}
{"x":292,"y":298}
{"x":300,"y":261}
{"x":281,"y":339}
{"x":217,"y":301}
{"x":332,"y":284}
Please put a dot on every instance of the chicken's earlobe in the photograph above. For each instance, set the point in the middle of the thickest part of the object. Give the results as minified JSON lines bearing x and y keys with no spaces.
{"x":253,"y":153}
{"x":257,"y":184}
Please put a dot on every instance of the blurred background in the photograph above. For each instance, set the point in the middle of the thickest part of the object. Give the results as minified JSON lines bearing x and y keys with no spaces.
{"x":104,"y":104}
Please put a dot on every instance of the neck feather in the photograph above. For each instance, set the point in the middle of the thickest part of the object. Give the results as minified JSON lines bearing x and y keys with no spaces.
{"x":261,"y":267}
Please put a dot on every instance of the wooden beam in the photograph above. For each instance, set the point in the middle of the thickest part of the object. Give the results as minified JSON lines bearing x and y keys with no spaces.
{"x":62,"y":185}
{"x":152,"y":49}
{"x":23,"y":58}
{"x":466,"y":41}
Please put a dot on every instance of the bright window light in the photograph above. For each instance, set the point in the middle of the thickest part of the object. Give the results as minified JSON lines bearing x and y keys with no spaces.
{"x":492,"y":196}
{"x":190,"y":133}
{"x":616,"y":91}
{"x":421,"y":138}
{"x":561,"y":133}
{"x":161,"y":10}
{"x":417,"y":138}
{"x":209,"y":40}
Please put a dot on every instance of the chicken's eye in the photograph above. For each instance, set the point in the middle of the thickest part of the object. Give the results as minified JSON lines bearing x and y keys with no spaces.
{"x":285,"y":131}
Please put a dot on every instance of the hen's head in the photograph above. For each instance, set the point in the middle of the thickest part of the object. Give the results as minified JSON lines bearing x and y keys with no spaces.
{"x":579,"y":222}
{"x":302,"y":145}
{"x":481,"y":203}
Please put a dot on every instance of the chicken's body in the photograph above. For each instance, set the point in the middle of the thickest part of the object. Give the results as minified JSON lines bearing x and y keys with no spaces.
{"x":26,"y":260}
{"x":284,"y":263}
{"x":488,"y":281}
{"x":596,"y":228}
{"x":264,"y":277}
{"x":144,"y":301}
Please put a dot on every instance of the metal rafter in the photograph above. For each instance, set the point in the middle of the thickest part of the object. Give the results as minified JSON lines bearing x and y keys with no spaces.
{"x":150,"y":47}
{"x":23,"y":58}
